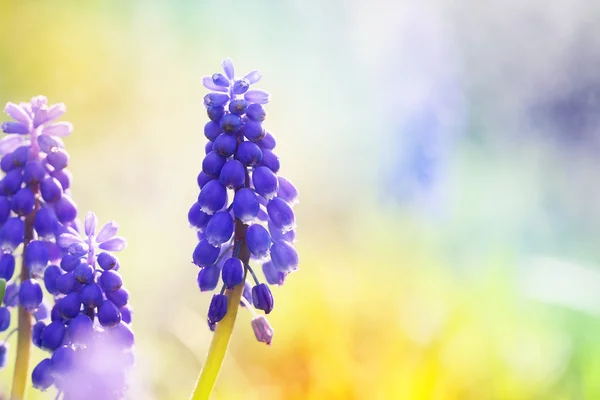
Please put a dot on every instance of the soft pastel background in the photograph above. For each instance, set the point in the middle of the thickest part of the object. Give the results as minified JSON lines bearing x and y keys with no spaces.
{"x":447,"y":158}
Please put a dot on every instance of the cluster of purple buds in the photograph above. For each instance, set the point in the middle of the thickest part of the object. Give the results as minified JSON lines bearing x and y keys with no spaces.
{"x":87,"y":330}
{"x":259,"y":221}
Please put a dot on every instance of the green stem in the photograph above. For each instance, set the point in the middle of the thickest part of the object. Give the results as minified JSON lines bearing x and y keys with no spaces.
{"x":222,"y":335}
{"x":22,"y":362}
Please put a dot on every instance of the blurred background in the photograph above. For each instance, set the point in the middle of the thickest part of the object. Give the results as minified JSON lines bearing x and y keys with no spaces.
{"x":446,"y":155}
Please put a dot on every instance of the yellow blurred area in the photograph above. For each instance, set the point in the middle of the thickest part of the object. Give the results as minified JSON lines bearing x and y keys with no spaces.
{"x":386,"y":304}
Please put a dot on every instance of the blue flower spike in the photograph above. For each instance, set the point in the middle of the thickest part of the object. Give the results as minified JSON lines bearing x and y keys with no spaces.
{"x":63,"y":259}
{"x":243,"y":205}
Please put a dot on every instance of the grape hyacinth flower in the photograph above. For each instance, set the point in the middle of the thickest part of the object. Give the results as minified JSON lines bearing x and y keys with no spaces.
{"x":89,"y":321}
{"x":244,"y":212}
{"x":87,"y":335}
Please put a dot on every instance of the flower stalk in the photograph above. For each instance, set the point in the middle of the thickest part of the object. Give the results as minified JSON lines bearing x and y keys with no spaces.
{"x":224,"y":329}
{"x":23,"y":356}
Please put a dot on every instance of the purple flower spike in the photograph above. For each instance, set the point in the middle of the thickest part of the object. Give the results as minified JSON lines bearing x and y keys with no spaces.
{"x":239,"y":157}
{"x":217,"y":308}
{"x":262,"y":329}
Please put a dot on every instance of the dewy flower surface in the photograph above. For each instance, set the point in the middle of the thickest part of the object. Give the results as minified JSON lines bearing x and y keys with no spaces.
{"x":244,"y":210}
{"x":87,"y":331}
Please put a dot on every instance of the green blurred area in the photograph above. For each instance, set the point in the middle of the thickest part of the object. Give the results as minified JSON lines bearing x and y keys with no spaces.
{"x":492,"y":293}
